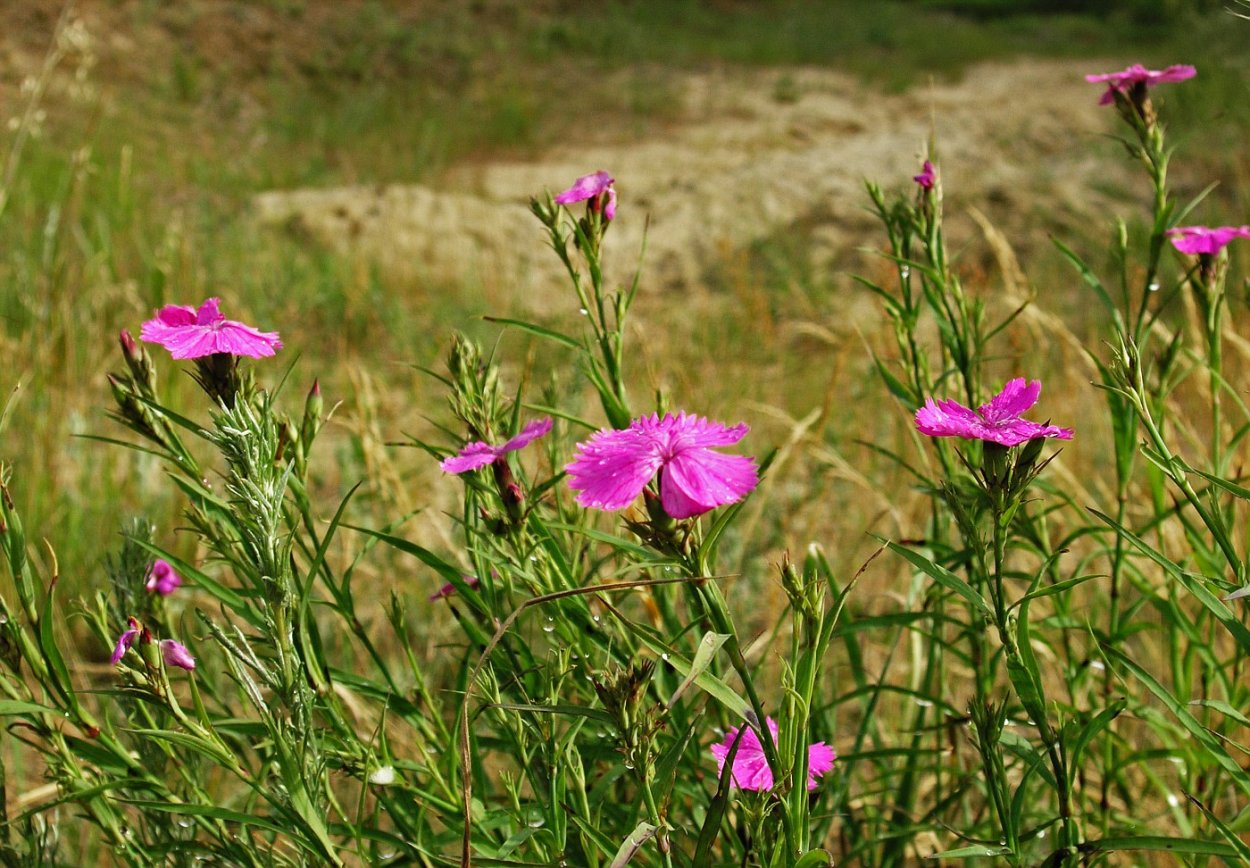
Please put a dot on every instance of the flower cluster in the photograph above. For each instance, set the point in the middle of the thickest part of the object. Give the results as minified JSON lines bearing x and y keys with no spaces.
{"x":174,"y":653}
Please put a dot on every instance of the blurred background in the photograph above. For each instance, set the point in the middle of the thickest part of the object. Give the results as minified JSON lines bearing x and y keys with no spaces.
{"x":356,"y":175}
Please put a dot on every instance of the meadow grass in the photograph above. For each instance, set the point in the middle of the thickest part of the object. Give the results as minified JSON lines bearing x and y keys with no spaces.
{"x":119,"y":207}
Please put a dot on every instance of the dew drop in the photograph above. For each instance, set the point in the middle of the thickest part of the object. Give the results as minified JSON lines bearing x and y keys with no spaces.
{"x":924,"y":703}
{"x":905,"y":272}
{"x":1098,"y":664}
{"x":1173,"y":801}
{"x":184,"y":824}
{"x":664,"y":656}
{"x":1154,"y":286}
{"x":1042,"y":834}
{"x":629,"y":765}
{"x":536,"y":823}
{"x":550,"y":625}
{"x":597,"y":619}
{"x":4,"y":619}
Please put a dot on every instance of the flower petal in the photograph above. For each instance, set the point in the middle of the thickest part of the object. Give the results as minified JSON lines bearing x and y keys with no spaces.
{"x":613,"y":467}
{"x":820,"y":757}
{"x":529,"y":433}
{"x":209,"y":312}
{"x":697,"y":480}
{"x":947,"y":419}
{"x":176,"y":654}
{"x":689,"y":430}
{"x":586,"y":187}
{"x":238,"y":339}
{"x":471,"y":457}
{"x":1015,"y":398}
{"x":124,"y":642}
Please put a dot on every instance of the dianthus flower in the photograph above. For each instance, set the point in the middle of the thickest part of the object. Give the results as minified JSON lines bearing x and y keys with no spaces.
{"x":593,"y":187}
{"x":448,"y":589}
{"x":191,"y":334}
{"x":927,"y":177}
{"x":176,"y":654}
{"x":162,"y":579}
{"x":1204,"y":240}
{"x":996,"y":422}
{"x":750,"y":768}
{"x":479,"y":454}
{"x":126,"y":640}
{"x":1138,"y":74}
{"x":613,"y":467}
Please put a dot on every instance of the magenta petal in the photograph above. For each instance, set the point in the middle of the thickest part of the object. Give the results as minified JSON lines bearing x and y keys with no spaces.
{"x":162,"y":579}
{"x":448,"y":589}
{"x":1196,"y":240}
{"x":946,"y":419}
{"x":529,"y":434}
{"x":241,"y":340}
{"x":176,"y":654}
{"x":471,"y":457}
{"x":586,"y":187}
{"x":612,"y":468}
{"x":697,"y":431}
{"x":609,"y":210}
{"x":750,"y":768}
{"x":820,"y":757}
{"x":209,"y":312}
{"x":696,"y":480}
{"x":124,"y":642}
{"x":1015,"y":398}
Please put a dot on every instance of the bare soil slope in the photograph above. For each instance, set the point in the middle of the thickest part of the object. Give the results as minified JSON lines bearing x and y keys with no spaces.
{"x":750,"y":154}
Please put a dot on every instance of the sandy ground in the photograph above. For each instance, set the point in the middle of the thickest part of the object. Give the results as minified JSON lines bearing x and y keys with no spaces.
{"x":740,"y":163}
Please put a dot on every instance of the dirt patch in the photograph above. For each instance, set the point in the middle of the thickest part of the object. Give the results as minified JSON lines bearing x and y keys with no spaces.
{"x":750,"y":153}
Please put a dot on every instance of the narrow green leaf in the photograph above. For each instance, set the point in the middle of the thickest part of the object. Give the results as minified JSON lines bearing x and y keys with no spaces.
{"x":941,"y":575}
{"x":642,"y":833}
{"x":1159,"y":843}
{"x":815,"y":859}
{"x":703,"y":657}
{"x":540,"y":331}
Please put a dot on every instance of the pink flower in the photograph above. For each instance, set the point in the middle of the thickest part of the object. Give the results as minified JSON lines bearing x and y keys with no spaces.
{"x":613,"y":467}
{"x":1196,"y":240}
{"x":927,"y":177}
{"x":126,"y":640}
{"x":479,"y":454}
{"x":176,"y":654}
{"x":191,"y":334}
{"x":162,"y":579}
{"x":448,"y":589}
{"x":996,"y":422}
{"x":750,"y":768}
{"x":592,"y":187}
{"x":1138,"y":74}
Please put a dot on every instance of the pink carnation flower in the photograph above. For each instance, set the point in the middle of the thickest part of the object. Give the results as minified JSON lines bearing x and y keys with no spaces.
{"x":927,"y":177}
{"x":750,"y":768}
{"x":126,"y":640}
{"x":448,"y":589}
{"x":479,"y":454}
{"x":996,"y":422}
{"x":191,"y":334}
{"x":592,"y":186}
{"x":613,"y":467}
{"x":1138,"y":74}
{"x":1196,"y":240}
{"x":162,"y":579}
{"x":176,"y":654}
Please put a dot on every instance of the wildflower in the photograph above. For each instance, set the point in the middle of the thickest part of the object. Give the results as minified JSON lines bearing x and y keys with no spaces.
{"x":1138,"y":75}
{"x":613,"y":467}
{"x":192,"y":334}
{"x":448,"y":589}
{"x":996,"y":422}
{"x":1203,"y":240}
{"x":162,"y":579}
{"x":176,"y":654}
{"x":927,"y":177}
{"x":126,"y":641}
{"x":750,"y":768}
{"x":597,"y":187}
{"x":479,"y":454}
